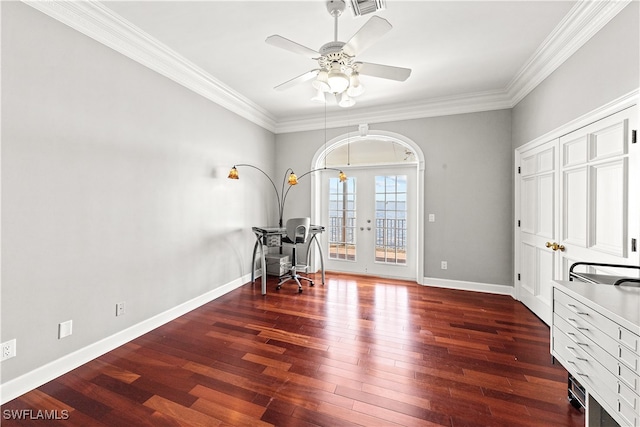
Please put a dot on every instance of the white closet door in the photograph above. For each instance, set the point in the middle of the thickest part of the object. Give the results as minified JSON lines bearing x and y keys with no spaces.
{"x":600,"y":191}
{"x":538,"y":217}
{"x":577,"y":199}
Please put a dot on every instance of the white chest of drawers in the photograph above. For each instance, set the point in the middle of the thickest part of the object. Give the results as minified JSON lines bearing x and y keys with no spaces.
{"x":595,"y":335}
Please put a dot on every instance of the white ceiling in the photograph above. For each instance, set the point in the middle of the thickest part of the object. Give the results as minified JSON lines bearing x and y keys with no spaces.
{"x":464,"y":55}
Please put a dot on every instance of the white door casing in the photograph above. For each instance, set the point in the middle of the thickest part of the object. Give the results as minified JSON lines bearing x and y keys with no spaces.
{"x":316,"y":184}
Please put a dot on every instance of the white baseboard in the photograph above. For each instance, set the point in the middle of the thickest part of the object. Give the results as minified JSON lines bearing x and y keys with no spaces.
{"x":469,"y":286}
{"x":39,"y":376}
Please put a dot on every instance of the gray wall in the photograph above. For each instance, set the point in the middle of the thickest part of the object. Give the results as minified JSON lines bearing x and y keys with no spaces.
{"x":604,"y":69}
{"x":468,"y":186}
{"x":113,"y":189}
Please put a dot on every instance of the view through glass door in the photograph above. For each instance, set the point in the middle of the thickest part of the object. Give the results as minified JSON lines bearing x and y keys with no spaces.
{"x":370,"y":221}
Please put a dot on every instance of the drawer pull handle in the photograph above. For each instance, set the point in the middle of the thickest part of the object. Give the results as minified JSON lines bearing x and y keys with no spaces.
{"x":573,"y":352}
{"x":582,"y":313}
{"x":582,"y":328}
{"x":583,"y":375}
{"x":573,"y":335}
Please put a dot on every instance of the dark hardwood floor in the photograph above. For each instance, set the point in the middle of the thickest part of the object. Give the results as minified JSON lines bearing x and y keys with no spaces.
{"x":357,"y":351}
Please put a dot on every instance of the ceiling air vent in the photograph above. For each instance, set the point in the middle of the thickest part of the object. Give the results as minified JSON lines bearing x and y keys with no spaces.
{"x":365,"y":7}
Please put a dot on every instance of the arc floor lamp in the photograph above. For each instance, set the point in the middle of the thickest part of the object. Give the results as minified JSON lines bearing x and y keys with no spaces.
{"x":289,"y":178}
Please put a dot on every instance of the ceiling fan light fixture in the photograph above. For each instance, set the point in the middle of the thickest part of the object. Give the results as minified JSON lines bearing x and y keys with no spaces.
{"x":338,"y":81}
{"x":319,"y":97}
{"x":355,"y":88}
{"x":322,"y":81}
{"x":346,"y":101}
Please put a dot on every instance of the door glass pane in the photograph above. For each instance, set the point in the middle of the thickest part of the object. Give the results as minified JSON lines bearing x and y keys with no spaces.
{"x":391,"y":219}
{"x":342,"y":219}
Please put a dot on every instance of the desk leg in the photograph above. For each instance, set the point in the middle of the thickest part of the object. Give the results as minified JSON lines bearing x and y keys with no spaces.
{"x":314,"y":237}
{"x":253,"y":259}
{"x":263,"y":264}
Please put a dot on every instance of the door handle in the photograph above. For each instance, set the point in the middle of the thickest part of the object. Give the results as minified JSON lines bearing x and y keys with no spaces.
{"x":555,"y":246}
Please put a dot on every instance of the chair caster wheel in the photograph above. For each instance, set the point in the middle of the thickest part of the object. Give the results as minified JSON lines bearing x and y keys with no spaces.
{"x":311,"y":284}
{"x":278,"y":288}
{"x":300,"y":290}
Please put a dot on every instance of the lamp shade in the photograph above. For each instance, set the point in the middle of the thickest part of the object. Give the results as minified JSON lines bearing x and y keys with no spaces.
{"x":293,"y":179}
{"x":338,"y":81}
{"x":233,"y":173}
{"x":355,"y":88}
{"x":319,"y":97}
{"x":321,"y":82}
{"x":342,"y":176}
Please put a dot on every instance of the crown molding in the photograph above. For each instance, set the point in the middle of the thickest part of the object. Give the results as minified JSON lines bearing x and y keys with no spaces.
{"x":103,"y":25}
{"x":93,"y":19}
{"x":434,"y":107}
{"x":584,"y":20}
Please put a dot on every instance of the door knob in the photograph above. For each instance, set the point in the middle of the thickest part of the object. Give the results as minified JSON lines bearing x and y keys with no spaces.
{"x":555,"y":246}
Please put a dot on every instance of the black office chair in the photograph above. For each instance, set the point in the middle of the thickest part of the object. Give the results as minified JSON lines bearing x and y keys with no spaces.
{"x":297,"y":234}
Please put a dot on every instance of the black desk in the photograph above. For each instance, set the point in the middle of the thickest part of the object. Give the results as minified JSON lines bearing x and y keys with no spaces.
{"x":263,"y":233}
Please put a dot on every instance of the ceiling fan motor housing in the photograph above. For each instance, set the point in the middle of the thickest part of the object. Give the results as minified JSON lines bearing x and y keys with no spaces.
{"x":331,"y":47}
{"x":329,"y":57}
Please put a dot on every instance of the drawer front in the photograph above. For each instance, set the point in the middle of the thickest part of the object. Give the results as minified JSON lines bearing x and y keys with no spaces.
{"x":629,"y":358}
{"x":606,"y":359}
{"x":629,"y":339}
{"x":586,"y":365}
{"x":628,"y":414}
{"x":628,"y":377}
{"x":573,"y":309}
{"x":623,"y":401}
{"x":584,"y":324}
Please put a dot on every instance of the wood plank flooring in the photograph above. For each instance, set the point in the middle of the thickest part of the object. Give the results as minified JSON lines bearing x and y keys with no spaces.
{"x":357,"y":351}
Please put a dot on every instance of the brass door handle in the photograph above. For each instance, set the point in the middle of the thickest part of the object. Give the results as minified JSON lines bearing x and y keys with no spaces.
{"x":555,"y":246}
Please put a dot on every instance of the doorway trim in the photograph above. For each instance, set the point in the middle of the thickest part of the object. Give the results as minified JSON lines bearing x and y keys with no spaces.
{"x":317,"y":162}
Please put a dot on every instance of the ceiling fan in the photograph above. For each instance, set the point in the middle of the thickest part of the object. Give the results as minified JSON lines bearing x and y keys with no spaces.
{"x":339,"y":71}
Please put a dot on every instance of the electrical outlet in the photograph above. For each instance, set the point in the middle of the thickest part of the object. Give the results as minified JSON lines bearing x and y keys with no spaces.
{"x":8,"y":349}
{"x":443,"y":265}
{"x":432,"y":217}
{"x":64,"y":329}
{"x":120,"y":309}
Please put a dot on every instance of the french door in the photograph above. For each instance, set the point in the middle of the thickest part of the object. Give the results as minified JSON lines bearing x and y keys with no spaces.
{"x":370,"y":221}
{"x":577,"y":199}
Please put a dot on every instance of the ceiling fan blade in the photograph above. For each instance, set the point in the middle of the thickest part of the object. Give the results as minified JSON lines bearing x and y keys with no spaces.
{"x":367,"y":35}
{"x":297,"y":80}
{"x":291,"y":46}
{"x":383,"y":71}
